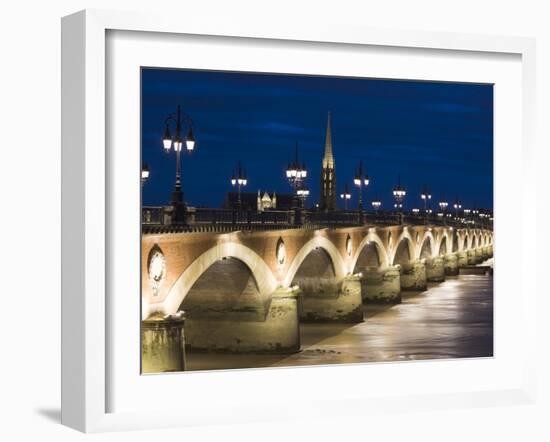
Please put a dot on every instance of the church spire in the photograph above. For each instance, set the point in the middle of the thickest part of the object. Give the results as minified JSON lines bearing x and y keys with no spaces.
{"x":328,"y":159}
{"x":328,"y":173}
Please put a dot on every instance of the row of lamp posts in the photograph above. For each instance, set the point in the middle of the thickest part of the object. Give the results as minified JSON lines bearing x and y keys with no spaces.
{"x":296,"y":174}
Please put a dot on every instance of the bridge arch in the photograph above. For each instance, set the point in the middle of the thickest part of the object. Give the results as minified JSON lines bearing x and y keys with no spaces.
{"x":455,"y":246}
{"x":467,"y":241}
{"x":316,"y":242}
{"x":263,"y":276}
{"x":404,"y":249}
{"x":445,"y":244}
{"x":426,"y":247}
{"x":373,"y":241}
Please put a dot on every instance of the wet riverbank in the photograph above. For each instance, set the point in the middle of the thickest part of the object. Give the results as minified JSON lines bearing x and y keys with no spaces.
{"x":453,"y":319}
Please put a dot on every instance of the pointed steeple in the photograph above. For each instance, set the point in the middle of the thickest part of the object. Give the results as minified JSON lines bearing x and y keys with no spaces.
{"x":328,"y":173}
{"x":328,"y":159}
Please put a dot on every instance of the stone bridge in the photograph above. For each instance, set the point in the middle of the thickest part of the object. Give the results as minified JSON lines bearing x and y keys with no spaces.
{"x":248,"y":291}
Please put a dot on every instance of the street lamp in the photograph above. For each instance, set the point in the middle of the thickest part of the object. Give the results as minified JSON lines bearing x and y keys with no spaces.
{"x":426,"y":196}
{"x":457,"y":206}
{"x":144,"y":173}
{"x":296,"y":173}
{"x":176,"y":142}
{"x":361,"y":179}
{"x":346,"y":196}
{"x":376,"y":204}
{"x":399,"y":194}
{"x":443,"y":207}
{"x":239,"y":180}
{"x":303,"y":193}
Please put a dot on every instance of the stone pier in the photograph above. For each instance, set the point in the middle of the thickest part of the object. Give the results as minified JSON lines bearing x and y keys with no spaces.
{"x":451,"y":264}
{"x":435,"y":269}
{"x":381,"y":285}
{"x":413,"y":276}
{"x":462,"y":259}
{"x":163,"y":343}
{"x":232,"y":332}
{"x":344,"y":304}
{"x":471,"y":257}
{"x":479,"y":255}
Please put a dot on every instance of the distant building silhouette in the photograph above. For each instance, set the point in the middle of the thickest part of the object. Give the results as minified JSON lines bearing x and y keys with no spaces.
{"x":259,"y":201}
{"x":328,"y":174}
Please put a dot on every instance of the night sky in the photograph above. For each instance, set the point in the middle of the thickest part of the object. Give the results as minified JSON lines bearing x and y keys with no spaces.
{"x":439,"y":134}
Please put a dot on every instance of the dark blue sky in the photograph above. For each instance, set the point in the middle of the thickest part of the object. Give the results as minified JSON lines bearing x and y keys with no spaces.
{"x":436,"y":133}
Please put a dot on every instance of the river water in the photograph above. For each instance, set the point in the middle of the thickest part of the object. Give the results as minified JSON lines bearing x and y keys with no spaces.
{"x":453,"y":319}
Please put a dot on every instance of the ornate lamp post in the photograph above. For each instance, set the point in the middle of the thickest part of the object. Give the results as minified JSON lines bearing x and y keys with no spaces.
{"x":426,"y":196}
{"x":399,"y":194}
{"x":457,"y":206}
{"x":346,"y":196}
{"x":303,"y":193}
{"x":144,"y":173}
{"x":296,"y":173}
{"x":361,"y":179}
{"x":376,"y":204}
{"x":443,"y":207}
{"x":466,"y":212}
{"x":180,"y":119}
{"x":239,"y":180}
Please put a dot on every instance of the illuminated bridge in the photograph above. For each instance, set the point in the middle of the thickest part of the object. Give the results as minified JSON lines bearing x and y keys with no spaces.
{"x":247,"y":288}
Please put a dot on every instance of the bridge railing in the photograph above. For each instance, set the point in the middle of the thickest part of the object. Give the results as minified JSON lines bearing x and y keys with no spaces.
{"x":235,"y":217}
{"x":153,"y":215}
{"x":335,"y":218}
{"x":157,"y":219}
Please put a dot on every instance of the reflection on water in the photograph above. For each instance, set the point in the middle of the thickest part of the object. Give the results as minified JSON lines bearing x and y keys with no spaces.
{"x":453,"y":319}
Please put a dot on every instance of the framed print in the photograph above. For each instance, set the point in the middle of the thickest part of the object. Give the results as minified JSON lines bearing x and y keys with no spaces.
{"x":273,"y":210}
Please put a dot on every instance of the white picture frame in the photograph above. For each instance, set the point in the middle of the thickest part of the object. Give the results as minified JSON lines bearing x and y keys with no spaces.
{"x":85,"y":198}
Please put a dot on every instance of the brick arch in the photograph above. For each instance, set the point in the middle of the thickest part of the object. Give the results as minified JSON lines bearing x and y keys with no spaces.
{"x":428,"y":237}
{"x":372,"y":238}
{"x":464,"y":242}
{"x":473,"y":244}
{"x":405,"y":236}
{"x":455,"y":242}
{"x":265,"y":279}
{"x":445,"y":243}
{"x":316,"y":242}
